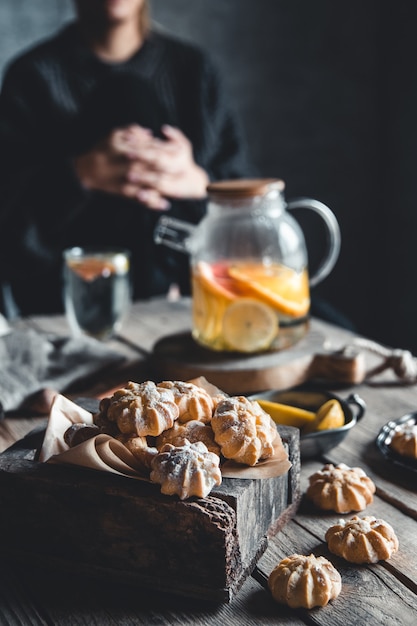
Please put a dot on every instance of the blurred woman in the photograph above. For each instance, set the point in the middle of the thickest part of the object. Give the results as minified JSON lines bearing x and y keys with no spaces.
{"x":102,"y":127}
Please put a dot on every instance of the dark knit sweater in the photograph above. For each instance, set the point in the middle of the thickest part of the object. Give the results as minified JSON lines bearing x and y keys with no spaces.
{"x":57,"y":100}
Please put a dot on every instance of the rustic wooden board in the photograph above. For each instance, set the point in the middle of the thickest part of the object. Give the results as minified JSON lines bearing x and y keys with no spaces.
{"x":179,"y":357}
{"x":103,"y":525}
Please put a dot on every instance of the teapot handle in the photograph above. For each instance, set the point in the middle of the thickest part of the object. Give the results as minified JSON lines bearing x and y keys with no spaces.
{"x":174,"y":233}
{"x":333,"y":232}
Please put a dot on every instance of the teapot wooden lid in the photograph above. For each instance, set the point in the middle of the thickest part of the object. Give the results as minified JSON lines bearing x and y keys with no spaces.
{"x":244,"y":188}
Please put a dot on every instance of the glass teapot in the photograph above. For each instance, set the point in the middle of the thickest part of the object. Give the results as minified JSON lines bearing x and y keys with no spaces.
{"x":250,"y":282}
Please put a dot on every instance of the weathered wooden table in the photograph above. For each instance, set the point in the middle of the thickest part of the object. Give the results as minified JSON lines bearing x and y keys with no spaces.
{"x":385,"y":593}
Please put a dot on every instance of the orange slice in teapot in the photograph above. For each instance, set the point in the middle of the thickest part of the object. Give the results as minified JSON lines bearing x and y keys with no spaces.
{"x":249,"y":325}
{"x":281,"y":287}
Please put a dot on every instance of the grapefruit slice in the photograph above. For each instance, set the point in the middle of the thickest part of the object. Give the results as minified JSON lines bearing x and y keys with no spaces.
{"x":218,"y":286}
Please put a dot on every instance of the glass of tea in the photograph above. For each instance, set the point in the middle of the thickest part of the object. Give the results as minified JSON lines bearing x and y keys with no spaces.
{"x":97,"y":290}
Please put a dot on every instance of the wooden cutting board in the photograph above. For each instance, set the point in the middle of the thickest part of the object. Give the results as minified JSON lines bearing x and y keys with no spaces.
{"x":179,"y":357}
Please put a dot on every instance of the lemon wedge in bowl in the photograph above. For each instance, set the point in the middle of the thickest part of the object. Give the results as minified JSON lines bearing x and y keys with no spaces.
{"x":329,"y":415}
{"x":287,"y":415}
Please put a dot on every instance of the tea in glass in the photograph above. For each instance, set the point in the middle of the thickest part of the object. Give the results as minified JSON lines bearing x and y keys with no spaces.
{"x":97,"y":290}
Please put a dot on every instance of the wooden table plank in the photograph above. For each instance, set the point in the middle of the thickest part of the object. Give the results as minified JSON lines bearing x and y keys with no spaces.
{"x":17,"y":607}
{"x":148,"y":321}
{"x":394,"y":485}
{"x":370,"y":595}
{"x":402,"y":564}
{"x":74,"y":601}
{"x":385,"y":593}
{"x":397,"y":485}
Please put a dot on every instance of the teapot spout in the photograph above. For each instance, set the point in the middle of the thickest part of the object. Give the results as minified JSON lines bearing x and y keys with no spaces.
{"x":174,"y":233}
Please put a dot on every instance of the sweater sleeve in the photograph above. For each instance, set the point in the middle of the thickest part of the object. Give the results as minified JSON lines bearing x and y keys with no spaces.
{"x":39,"y":190}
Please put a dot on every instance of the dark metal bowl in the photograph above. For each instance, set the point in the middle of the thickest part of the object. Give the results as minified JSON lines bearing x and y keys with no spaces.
{"x":317,"y":443}
{"x":384,"y":437}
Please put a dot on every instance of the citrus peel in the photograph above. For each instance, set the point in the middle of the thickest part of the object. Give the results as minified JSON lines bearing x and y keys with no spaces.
{"x":287,"y":415}
{"x":295,"y":303}
{"x":329,"y":415}
{"x":215,"y":285}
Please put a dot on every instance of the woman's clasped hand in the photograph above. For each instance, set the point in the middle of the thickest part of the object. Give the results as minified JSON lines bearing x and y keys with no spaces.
{"x":132,"y":162}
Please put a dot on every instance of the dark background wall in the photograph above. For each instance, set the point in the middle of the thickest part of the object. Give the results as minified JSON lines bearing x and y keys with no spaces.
{"x":327,"y":94}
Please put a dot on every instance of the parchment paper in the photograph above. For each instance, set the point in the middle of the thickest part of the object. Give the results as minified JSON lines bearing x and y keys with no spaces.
{"x":105,"y":453}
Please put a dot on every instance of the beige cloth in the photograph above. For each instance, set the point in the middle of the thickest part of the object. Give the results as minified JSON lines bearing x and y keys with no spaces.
{"x":31,"y":362}
{"x":104,"y":453}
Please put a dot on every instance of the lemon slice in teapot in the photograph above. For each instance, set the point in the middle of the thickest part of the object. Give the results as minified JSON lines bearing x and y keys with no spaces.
{"x":249,"y":325}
